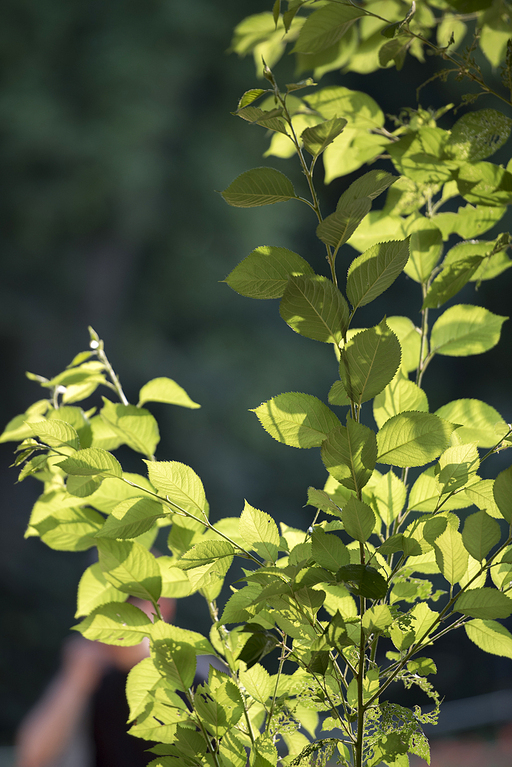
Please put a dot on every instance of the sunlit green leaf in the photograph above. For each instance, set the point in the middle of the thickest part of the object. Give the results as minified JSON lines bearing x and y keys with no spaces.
{"x":260,"y":186}
{"x":264,"y":273}
{"x":412,"y":439}
{"x":165,"y":390}
{"x":130,"y":568}
{"x":315,"y":308}
{"x":296,"y":419}
{"x":369,"y":361}
{"x":117,"y":623}
{"x":371,"y":273}
{"x":463,"y":330}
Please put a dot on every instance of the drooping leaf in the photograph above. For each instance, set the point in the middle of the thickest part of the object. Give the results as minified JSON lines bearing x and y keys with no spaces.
{"x":130,"y":567}
{"x":321,"y":500}
{"x":389,"y":496}
{"x":296,"y":419}
{"x":369,"y":361}
{"x":481,"y":532}
{"x":165,"y":390}
{"x":118,"y":623}
{"x":315,"y":308}
{"x":410,"y":341}
{"x":426,"y":244}
{"x":349,"y":454}
{"x":490,"y":636}
{"x":483,"y":183}
{"x":94,"y":590}
{"x":180,"y":484}
{"x":358,"y":519}
{"x":264,"y":273}
{"x":371,"y":273}
{"x":413,"y":439}
{"x":260,"y":532}
{"x":260,"y":186}
{"x":325,"y":27}
{"x":463,"y":330}
{"x":451,"y":555}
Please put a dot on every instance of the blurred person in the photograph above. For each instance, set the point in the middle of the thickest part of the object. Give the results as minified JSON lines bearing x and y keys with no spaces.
{"x":81,"y":718}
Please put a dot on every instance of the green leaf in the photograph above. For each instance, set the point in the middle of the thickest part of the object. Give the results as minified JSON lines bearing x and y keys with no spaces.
{"x":450,"y":281}
{"x":260,"y":186}
{"x":477,"y":135}
{"x":482,"y":495}
{"x":70,"y":529}
{"x":131,"y":518}
{"x":349,"y":454}
{"x":175,"y":582}
{"x":451,"y":555}
{"x":481,"y":423}
{"x":377,"y":619}
{"x":371,"y":273}
{"x":264,"y":273}
{"x":250,"y":96}
{"x":484,"y":603}
{"x":165,"y":390}
{"x":410,"y":341}
{"x":91,"y":461}
{"x":337,"y":395}
{"x":358,"y":519}
{"x":369,"y":361}
{"x":490,"y":636}
{"x":180,"y":485}
{"x":395,"y":50}
{"x":502,"y":491}
{"x":413,"y":439}
{"x":494,"y":256}
{"x":329,"y":551}
{"x":142,"y":680}
{"x":457,"y":466}
{"x":426,"y":243}
{"x":325,"y":27}
{"x":370,"y":184}
{"x":55,"y":433}
{"x":469,"y":221}
{"x":481,"y":532}
{"x":257,"y":682}
{"x":363,"y":581}
{"x":315,"y":308}
{"x":337,"y":228}
{"x":176,"y":662}
{"x":296,"y":419}
{"x":272,"y":120}
{"x":321,"y":500}
{"x":463,"y":330}
{"x":204,"y":553}
{"x":94,"y":590}
{"x":318,"y":137}
{"x":260,"y":532}
{"x":118,"y":623}
{"x":134,"y":425}
{"x":389,"y":496}
{"x":399,"y":396}
{"x":484,"y":183}
{"x":130,"y":567}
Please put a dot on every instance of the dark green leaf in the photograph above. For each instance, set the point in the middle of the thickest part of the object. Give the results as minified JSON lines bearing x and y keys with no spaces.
{"x":315,"y":308}
{"x":260,"y":186}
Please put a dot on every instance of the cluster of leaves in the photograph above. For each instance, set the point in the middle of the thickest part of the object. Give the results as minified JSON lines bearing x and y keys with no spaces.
{"x":347,"y":605}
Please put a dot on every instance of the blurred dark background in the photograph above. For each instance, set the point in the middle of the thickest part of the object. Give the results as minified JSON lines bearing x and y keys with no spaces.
{"x":115,"y":132}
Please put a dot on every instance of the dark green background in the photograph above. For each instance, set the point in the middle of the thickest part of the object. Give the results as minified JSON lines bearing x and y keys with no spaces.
{"x":115,"y":133}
